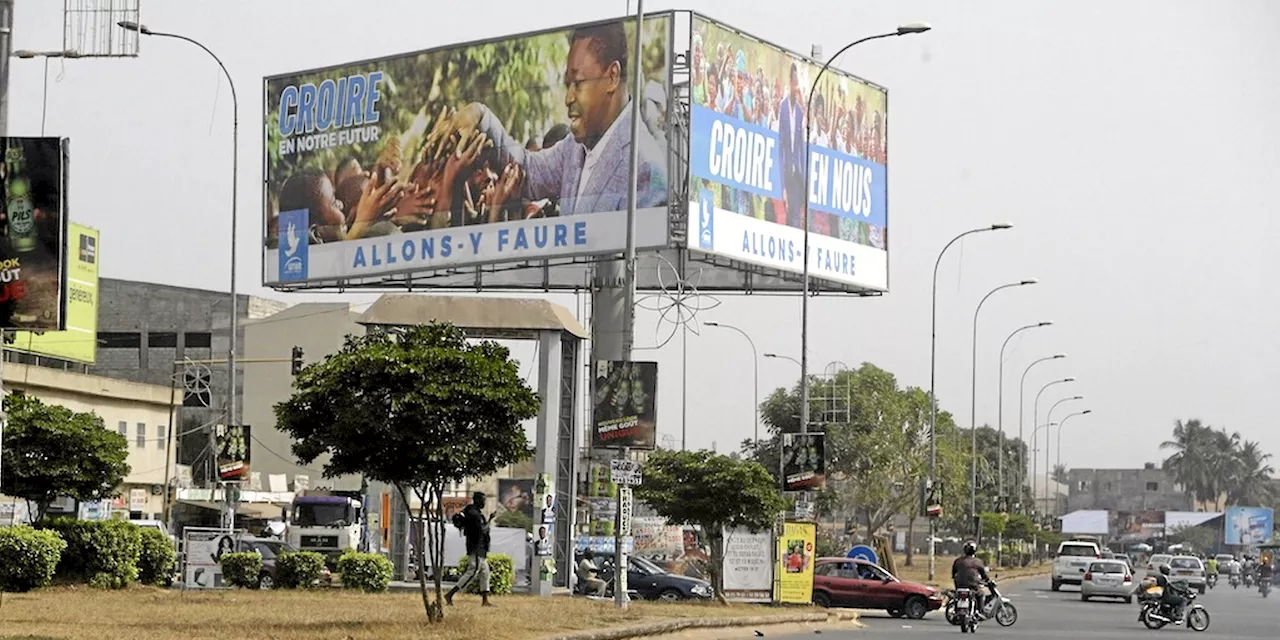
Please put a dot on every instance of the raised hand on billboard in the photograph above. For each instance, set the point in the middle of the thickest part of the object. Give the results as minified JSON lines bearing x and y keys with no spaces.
{"x":434,"y":142}
{"x":465,"y":156}
{"x":467,"y":119}
{"x":376,"y":200}
{"x":502,"y":191}
{"x":414,"y":205}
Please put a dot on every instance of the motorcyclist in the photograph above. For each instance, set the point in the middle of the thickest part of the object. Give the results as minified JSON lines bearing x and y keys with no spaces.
{"x":969,"y":572}
{"x":1173,"y":594}
{"x":1265,"y":573}
{"x":1211,"y":567}
{"x":588,"y":576}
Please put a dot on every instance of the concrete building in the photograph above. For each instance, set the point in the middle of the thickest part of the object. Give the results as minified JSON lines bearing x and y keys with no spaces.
{"x":138,"y":411}
{"x":1124,"y":490}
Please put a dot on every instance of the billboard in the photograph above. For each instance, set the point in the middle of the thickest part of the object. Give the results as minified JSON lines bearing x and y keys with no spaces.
{"x":1249,"y":525}
{"x":748,"y":565}
{"x":33,"y":230}
{"x":233,"y":452}
{"x":79,"y":342}
{"x":511,"y":150}
{"x":748,"y":102}
{"x":625,"y":407}
{"x":804,"y":461}
{"x":795,"y":563}
{"x":517,"y":495}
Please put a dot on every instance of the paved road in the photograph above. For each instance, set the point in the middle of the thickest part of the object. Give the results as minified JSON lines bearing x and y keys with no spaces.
{"x":1238,"y":614}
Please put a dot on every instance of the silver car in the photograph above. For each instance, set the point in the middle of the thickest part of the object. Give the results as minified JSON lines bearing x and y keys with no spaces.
{"x":1108,"y":579}
{"x":1188,"y":569}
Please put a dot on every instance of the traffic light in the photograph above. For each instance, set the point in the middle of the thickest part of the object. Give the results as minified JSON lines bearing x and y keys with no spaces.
{"x":297,"y":360}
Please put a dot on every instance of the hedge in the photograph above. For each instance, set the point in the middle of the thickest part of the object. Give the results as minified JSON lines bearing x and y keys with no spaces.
{"x":299,"y":569}
{"x":158,"y":558}
{"x":28,"y":558}
{"x":501,"y":574}
{"x":105,"y":554}
{"x":368,"y":572}
{"x":241,"y":569}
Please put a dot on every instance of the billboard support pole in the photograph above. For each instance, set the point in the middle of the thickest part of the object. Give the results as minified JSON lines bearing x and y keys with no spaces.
{"x":6,"y":45}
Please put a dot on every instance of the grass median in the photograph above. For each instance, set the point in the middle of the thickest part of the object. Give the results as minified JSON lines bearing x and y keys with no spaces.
{"x":146,"y":614}
{"x":942,"y":574}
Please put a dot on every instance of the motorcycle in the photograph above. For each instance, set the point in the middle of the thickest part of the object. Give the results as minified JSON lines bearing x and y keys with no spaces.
{"x":996,"y":607}
{"x":1248,"y":579}
{"x":1264,"y":587}
{"x":966,"y":610}
{"x":1234,"y":581}
{"x":1155,"y":613}
{"x":1212,"y":580}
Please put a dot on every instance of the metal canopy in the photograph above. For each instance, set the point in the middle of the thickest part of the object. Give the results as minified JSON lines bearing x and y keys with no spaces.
{"x":481,"y":317}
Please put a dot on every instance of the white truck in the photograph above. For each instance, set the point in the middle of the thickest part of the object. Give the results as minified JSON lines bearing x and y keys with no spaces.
{"x":326,"y":523}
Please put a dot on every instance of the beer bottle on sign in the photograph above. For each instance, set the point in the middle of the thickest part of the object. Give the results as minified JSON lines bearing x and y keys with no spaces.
{"x":18,"y":205}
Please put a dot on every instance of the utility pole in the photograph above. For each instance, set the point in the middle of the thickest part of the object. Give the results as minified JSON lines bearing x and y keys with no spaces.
{"x":6,"y":50}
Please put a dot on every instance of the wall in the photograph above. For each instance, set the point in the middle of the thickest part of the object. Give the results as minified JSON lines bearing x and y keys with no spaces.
{"x":1126,"y":490}
{"x":138,"y":411}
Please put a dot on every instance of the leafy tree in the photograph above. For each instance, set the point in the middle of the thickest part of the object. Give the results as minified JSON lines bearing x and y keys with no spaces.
{"x":994,"y":524}
{"x":52,"y":451}
{"x":711,"y":491}
{"x":515,"y":519}
{"x":417,"y":408}
{"x":1019,"y":527}
{"x":1060,"y":473}
{"x":1251,"y":483}
{"x":1211,"y":465}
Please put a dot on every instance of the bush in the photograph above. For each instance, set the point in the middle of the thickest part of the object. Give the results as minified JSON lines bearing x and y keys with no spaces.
{"x":28,"y":558}
{"x":158,"y":558}
{"x":241,"y":569}
{"x":368,"y":572}
{"x":502,"y":574}
{"x":104,"y":554}
{"x":299,"y":569}
{"x":987,"y":557}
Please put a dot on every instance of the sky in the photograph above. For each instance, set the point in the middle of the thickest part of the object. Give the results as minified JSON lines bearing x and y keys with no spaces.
{"x":1130,"y":143}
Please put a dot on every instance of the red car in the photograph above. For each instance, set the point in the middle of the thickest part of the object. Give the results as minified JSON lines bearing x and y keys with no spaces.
{"x":850,"y":582}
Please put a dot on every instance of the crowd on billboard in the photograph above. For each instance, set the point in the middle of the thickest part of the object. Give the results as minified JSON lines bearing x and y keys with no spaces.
{"x":767,"y":90}
{"x":524,"y":128}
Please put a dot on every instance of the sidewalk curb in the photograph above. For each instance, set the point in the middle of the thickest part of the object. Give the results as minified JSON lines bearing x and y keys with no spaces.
{"x":672,"y":626}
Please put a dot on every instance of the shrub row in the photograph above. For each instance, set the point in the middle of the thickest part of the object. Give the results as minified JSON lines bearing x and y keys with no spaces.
{"x":368,"y":572}
{"x":110,"y":554}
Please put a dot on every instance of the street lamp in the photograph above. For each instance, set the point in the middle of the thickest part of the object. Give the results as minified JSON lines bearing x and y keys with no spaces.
{"x":1022,"y":447}
{"x":235,"y":156}
{"x":1035,"y":418}
{"x":27,"y":54}
{"x":906,"y":29}
{"x":755,"y":364}
{"x":933,"y":368}
{"x":1062,"y":424}
{"x":782,"y":357}
{"x":1000,"y":407}
{"x":973,"y":398}
{"x":1049,"y":417}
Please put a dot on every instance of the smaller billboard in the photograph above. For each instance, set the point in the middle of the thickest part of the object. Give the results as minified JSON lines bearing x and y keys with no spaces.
{"x":79,"y":342}
{"x":795,"y":563}
{"x":804,"y":463}
{"x":517,"y":495}
{"x":233,"y":452}
{"x":204,"y":550}
{"x":748,"y":565}
{"x":33,"y":230}
{"x":1249,"y":525}
{"x":625,"y":410}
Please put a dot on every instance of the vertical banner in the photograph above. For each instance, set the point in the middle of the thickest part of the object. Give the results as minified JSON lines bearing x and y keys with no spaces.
{"x":748,"y":565}
{"x":233,"y":452}
{"x":795,"y":563}
{"x":545,"y":522}
{"x":625,"y":410}
{"x":804,"y":465}
{"x":79,"y":342}
{"x":34,"y":231}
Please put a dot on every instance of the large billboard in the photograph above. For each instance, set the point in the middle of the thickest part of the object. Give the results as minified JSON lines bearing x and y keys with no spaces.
{"x":747,"y":187}
{"x":33,"y":228}
{"x":511,"y":150}
{"x":1248,"y":525}
{"x":79,"y":342}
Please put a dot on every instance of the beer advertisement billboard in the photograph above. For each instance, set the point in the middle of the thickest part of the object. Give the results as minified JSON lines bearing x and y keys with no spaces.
{"x":79,"y":341}
{"x":626,"y":405}
{"x":511,"y":150}
{"x":748,"y":107}
{"x":34,"y":229}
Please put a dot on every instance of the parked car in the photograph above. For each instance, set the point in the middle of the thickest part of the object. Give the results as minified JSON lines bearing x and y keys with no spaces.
{"x":1108,"y":579}
{"x":652,"y":582}
{"x":1188,"y":569}
{"x":851,"y":582}
{"x":268,"y":548}
{"x":1072,"y":561}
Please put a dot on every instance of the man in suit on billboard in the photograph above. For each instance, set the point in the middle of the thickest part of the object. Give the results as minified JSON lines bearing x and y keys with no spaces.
{"x":588,"y":173}
{"x":791,"y":139}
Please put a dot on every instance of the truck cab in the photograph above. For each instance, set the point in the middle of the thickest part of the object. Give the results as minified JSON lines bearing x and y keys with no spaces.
{"x":325,"y":523}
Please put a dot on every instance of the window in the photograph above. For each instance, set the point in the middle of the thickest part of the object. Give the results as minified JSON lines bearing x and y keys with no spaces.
{"x":1083,"y":485}
{"x":124,"y":428}
{"x":1153,"y":486}
{"x":1107,"y":567}
{"x":160,"y":436}
{"x":198,"y":340}
{"x":162,"y":340}
{"x":112,"y":340}
{"x":142,"y":435}
{"x":825,"y":569}
{"x":1106,"y":487}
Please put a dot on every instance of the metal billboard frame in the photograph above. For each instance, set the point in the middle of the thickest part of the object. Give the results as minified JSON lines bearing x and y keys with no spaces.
{"x":714,"y":273}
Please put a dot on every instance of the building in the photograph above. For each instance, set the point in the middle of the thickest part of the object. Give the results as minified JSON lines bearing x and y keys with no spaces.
{"x":141,"y":412}
{"x":1124,"y":490}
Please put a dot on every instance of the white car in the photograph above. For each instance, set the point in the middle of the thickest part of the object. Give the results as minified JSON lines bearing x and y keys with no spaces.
{"x":1227,"y":564}
{"x":1108,"y":579}
{"x":1154,"y":562}
{"x":1188,"y":569}
{"x":1072,"y":562}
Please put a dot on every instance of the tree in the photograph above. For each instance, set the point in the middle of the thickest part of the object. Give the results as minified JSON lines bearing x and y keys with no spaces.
{"x":417,"y":408}
{"x":1251,"y":484}
{"x":51,"y":451}
{"x":1060,"y":473}
{"x":713,"y":492}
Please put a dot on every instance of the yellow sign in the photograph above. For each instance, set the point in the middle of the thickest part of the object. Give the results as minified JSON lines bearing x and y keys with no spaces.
{"x":80,"y":340}
{"x":795,"y":563}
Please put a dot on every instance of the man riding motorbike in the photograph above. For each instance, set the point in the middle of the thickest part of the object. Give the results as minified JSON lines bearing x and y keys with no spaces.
{"x":969,"y":572}
{"x":1265,"y":573}
{"x":1173,"y":593}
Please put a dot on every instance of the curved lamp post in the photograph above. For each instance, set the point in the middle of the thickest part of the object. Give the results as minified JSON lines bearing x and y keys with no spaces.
{"x":1000,"y":409}
{"x":755,"y":364}
{"x":1022,"y":446}
{"x":1035,"y":416}
{"x":1062,"y":424}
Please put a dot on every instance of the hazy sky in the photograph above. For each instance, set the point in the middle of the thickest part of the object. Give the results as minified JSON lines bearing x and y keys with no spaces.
{"x":1112,"y":135}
